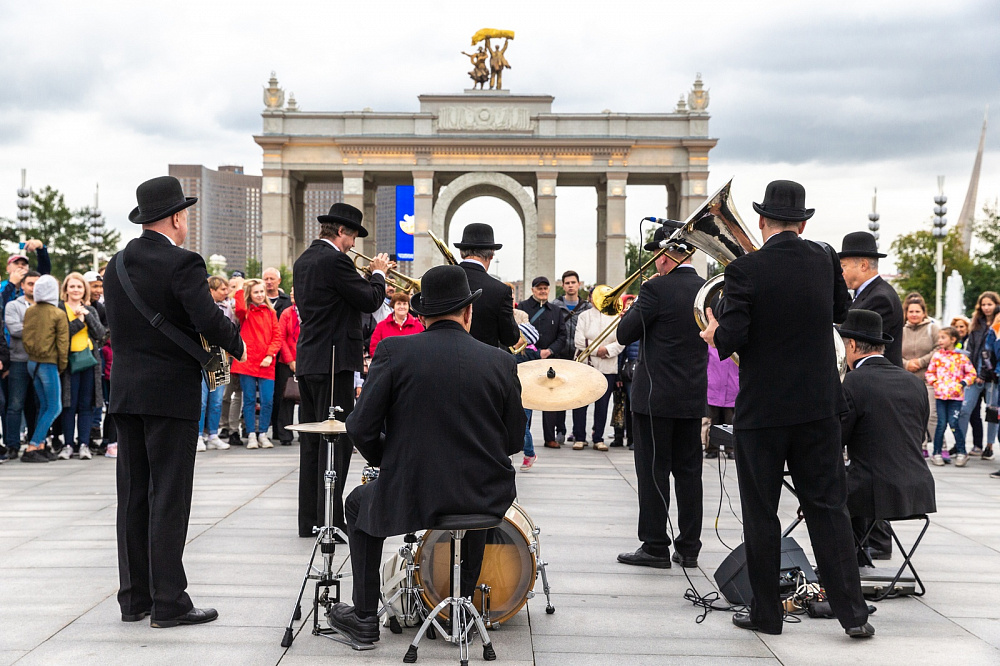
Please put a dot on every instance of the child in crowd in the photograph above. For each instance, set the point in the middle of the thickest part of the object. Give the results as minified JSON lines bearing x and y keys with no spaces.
{"x":262,"y":337}
{"x":949,"y":373}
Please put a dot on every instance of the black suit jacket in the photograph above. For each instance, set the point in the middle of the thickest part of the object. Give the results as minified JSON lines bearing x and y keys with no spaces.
{"x":883,"y":430}
{"x":331,"y":296}
{"x":151,"y":375}
{"x":671,"y":376}
{"x":880,"y":297}
{"x":550,"y":325}
{"x":778,"y":313}
{"x":493,"y":313}
{"x":450,"y":408}
{"x":284,"y":301}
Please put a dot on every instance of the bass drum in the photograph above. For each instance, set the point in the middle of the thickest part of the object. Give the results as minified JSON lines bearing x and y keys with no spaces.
{"x":509,"y":566}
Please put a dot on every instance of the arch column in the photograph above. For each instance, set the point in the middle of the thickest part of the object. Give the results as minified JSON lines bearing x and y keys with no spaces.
{"x":693,"y":192}
{"x":613,"y":233}
{"x":425,"y":254}
{"x":278,"y":191}
{"x":354,"y":194}
{"x":544,"y":260}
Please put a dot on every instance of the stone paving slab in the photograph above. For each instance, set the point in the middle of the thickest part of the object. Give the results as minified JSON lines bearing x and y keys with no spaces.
{"x":57,"y":601}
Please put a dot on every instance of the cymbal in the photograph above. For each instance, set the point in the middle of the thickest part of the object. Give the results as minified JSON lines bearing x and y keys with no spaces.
{"x":328,"y":427}
{"x":571,"y":385}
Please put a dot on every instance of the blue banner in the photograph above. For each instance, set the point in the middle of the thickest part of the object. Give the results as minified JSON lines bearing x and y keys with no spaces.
{"x":404,"y":223}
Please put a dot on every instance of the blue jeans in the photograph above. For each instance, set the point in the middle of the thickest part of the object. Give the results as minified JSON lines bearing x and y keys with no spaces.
{"x":529,"y":442}
{"x":48,"y":388}
{"x":213,"y":401}
{"x":81,"y":411}
{"x":969,"y":403}
{"x":251,"y":386}
{"x":17,"y":391}
{"x":948,"y":412}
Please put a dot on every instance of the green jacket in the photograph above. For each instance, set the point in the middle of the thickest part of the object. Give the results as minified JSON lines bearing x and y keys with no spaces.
{"x":46,"y":335}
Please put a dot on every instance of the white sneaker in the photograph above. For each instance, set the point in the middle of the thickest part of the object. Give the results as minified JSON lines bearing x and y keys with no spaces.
{"x":214,"y":442}
{"x":65,"y":453}
{"x":85,"y":452}
{"x":201,"y":444}
{"x":252,"y":440}
{"x":938,"y":460}
{"x":265,"y":443}
{"x":961,"y":460}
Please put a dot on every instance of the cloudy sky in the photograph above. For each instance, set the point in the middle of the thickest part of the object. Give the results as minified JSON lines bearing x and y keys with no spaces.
{"x":842,"y":97}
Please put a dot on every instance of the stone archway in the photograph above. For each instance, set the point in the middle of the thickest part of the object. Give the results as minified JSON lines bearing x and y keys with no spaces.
{"x":489,"y":184}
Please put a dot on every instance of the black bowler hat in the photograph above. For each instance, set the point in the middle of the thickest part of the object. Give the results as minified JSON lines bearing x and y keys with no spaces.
{"x":478,"y":236}
{"x":785,"y":201}
{"x":159,"y":198}
{"x":859,"y":244}
{"x":443,"y":290}
{"x":866,"y":326}
{"x":346,"y":214}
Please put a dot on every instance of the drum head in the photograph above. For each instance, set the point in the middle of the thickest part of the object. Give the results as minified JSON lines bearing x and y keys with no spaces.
{"x":508,"y":567}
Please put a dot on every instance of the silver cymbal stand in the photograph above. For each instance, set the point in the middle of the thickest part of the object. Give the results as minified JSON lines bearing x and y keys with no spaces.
{"x":326,"y":579}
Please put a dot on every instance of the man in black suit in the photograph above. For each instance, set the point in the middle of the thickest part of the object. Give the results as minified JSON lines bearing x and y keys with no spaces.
{"x":859,"y":260}
{"x":883,"y":430}
{"x":493,"y":318}
{"x":156,"y":403}
{"x":547,"y":318}
{"x":669,"y":390}
{"x":331,"y":295}
{"x":778,"y":313}
{"x":451,"y":413}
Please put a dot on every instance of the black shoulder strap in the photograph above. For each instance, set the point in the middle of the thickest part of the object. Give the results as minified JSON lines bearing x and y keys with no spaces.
{"x":156,"y":319}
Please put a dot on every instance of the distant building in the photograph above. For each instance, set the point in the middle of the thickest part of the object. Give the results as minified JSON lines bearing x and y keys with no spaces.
{"x":385,"y":219}
{"x":318,"y":199}
{"x":227,"y":218}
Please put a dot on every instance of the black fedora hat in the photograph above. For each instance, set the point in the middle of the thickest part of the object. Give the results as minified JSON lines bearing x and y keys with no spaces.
{"x":866,"y":326}
{"x":785,"y":201}
{"x":478,"y":236}
{"x":443,"y":289}
{"x":346,"y":214}
{"x":859,"y":244}
{"x":159,"y":198}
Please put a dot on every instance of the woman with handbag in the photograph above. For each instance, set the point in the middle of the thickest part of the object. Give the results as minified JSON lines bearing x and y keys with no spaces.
{"x":46,"y":340}
{"x":81,"y":377}
{"x":979,"y":346}
{"x":287,"y":392}
{"x":262,"y":337}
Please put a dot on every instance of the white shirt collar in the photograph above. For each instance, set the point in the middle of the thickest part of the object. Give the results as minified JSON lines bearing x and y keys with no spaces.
{"x":864,"y":284}
{"x":165,"y":236}
{"x":327,"y":240}
{"x":861,"y":361}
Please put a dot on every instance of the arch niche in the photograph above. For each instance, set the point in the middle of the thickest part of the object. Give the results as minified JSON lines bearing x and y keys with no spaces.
{"x":490,"y":184}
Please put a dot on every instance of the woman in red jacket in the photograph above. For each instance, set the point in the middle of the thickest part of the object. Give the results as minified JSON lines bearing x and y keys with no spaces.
{"x":288,"y":325}
{"x":400,"y":322}
{"x":262,"y":337}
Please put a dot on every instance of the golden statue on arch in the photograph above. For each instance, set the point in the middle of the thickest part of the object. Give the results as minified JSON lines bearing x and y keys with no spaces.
{"x":480,"y":74}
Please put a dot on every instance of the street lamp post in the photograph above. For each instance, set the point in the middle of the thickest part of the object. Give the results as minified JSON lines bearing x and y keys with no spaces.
{"x":96,"y":226}
{"x":23,"y":208}
{"x":873,"y":218}
{"x":939,"y":231}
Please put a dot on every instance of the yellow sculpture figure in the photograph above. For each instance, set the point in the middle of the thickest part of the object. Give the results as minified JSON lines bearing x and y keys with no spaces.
{"x":498,"y":62}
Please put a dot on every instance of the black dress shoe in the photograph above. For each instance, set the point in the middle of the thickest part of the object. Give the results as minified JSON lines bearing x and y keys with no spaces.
{"x":879,"y":554}
{"x":193,"y":616}
{"x":711,"y":455}
{"x":743,"y":621}
{"x":342,"y":618}
{"x":641,"y":558}
{"x":864,"y":631}
{"x":135,"y":617}
{"x":684,"y":560}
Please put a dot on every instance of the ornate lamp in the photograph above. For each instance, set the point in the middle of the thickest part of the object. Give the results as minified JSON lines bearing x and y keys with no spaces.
{"x":96,"y":226}
{"x":939,"y":232}
{"x":23,"y":208}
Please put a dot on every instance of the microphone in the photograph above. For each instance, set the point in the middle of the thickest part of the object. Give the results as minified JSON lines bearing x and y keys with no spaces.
{"x":670,"y":224}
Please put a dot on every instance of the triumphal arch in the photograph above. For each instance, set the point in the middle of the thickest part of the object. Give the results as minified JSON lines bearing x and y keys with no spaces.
{"x":482,"y":143}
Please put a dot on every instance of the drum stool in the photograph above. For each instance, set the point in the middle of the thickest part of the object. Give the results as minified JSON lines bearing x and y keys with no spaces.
{"x":463,"y":613}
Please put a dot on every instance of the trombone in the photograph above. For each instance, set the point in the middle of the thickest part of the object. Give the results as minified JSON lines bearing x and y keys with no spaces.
{"x":448,"y":256}
{"x":585,"y":354}
{"x":401,"y":282}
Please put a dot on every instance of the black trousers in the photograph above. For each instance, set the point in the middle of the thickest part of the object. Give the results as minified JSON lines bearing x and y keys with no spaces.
{"x":879,"y":539}
{"x":815,"y":461}
{"x":366,"y":555}
{"x":284,"y":410}
{"x":155,"y":470}
{"x":314,"y":391}
{"x":664,"y":448}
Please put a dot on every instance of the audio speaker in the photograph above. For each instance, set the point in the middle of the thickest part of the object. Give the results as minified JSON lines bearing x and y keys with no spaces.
{"x":734,"y":581}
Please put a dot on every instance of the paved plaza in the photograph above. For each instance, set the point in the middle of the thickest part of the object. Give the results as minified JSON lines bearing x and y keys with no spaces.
{"x":57,"y":592}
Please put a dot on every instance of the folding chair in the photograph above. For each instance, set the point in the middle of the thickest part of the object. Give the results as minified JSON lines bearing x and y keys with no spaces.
{"x":874,"y":580}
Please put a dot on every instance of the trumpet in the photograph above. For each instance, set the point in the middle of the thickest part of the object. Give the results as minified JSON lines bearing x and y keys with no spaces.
{"x":401,"y":282}
{"x":448,"y":256}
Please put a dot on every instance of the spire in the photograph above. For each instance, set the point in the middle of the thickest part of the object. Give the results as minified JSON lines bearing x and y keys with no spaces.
{"x":968,"y":214}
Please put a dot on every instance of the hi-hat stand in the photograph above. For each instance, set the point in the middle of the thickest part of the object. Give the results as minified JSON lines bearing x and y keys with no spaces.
{"x":326,"y":579}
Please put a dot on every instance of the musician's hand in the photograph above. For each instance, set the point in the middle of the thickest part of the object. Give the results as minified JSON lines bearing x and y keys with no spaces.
{"x":357,"y":392}
{"x":266,"y":363}
{"x":708,"y":335}
{"x":545,"y":353}
{"x":602,"y":352}
{"x":380,"y":262}
{"x":291,"y":366}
